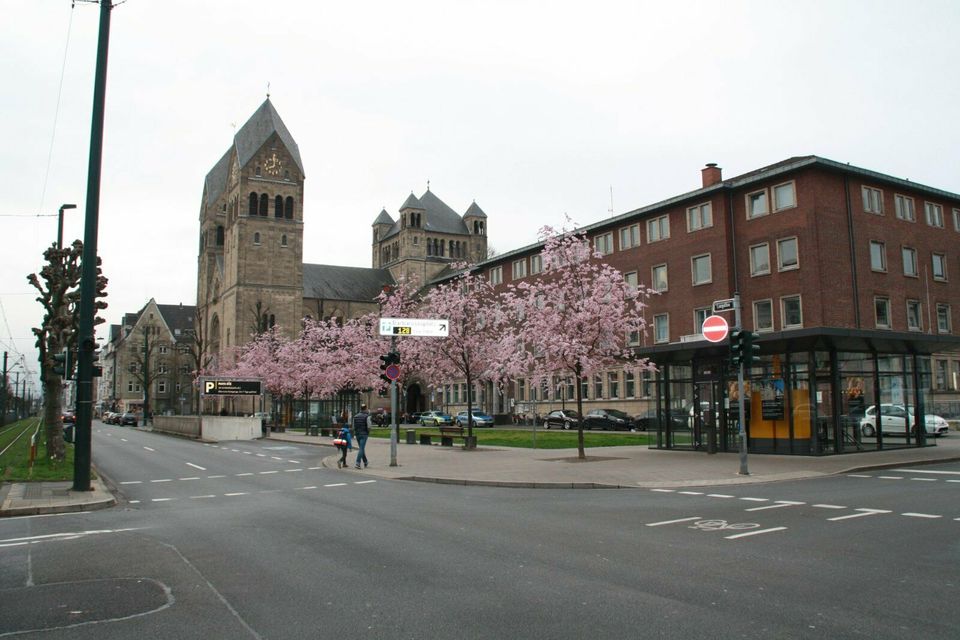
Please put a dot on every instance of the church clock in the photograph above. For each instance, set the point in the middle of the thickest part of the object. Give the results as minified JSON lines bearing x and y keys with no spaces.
{"x":273,"y":165}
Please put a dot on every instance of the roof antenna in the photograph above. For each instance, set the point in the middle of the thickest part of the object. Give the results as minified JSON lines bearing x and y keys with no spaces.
{"x":268,"y":90}
{"x":610,"y":210}
{"x":428,"y":185}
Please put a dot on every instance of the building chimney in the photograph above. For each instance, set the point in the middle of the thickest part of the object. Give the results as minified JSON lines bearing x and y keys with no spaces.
{"x":712,"y":174}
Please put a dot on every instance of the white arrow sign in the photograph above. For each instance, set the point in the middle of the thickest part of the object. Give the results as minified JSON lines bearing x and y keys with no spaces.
{"x":426,"y":327}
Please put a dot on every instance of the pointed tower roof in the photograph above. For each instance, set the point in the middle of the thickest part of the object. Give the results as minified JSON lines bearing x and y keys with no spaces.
{"x":254,"y":133}
{"x":383,"y":218}
{"x":411,"y":203}
{"x":216,"y":181}
{"x":475,"y":211}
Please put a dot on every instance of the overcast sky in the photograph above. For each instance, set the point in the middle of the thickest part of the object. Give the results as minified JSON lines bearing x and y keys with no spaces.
{"x":533,"y":109}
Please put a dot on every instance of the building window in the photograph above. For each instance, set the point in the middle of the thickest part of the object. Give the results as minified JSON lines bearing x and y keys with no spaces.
{"x":604,"y":243}
{"x":699,"y":217}
{"x":631,"y":280}
{"x":613,"y":384}
{"x":878,"y":256}
{"x":702,"y":272}
{"x":939,"y":267}
{"x":787,"y":254}
{"x":598,"y":386}
{"x":956,"y":219}
{"x":585,"y":387}
{"x":496,"y":275}
{"x":630,"y":383}
{"x":934,"y":214}
{"x":909,"y":262}
{"x":872,"y":200}
{"x":699,"y":315}
{"x":791,"y":312}
{"x":784,"y":196}
{"x":254,"y":199}
{"x":881,"y":312}
{"x":257,"y":171}
{"x":278,"y":207}
{"x":536,"y":264}
{"x":630,"y":237}
{"x":264,"y":203}
{"x":283,"y":240}
{"x":757,"y":204}
{"x":161,"y":386}
{"x":256,"y":237}
{"x":288,"y":208}
{"x":570,"y":388}
{"x":914,"y":319}
{"x":519,"y":269}
{"x":941,"y":369}
{"x":943,"y":318}
{"x":219,"y":236}
{"x":760,"y":259}
{"x":659,"y":277}
{"x":661,"y":328}
{"x":904,"y":207}
{"x":658,"y":229}
{"x":763,"y":315}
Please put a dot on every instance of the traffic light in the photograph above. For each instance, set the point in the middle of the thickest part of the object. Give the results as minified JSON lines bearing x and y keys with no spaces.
{"x":385,"y":361}
{"x":742,"y":348}
{"x":63,"y":363}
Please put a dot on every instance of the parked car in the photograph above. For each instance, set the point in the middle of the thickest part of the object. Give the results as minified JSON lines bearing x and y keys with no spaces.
{"x":381,"y":417}
{"x":609,"y":419}
{"x":649,"y":420}
{"x":562,"y":419}
{"x":69,"y":417}
{"x":895,"y":418}
{"x":435,"y":419}
{"x":479,"y":419}
{"x":414,"y":417}
{"x":128,"y":418}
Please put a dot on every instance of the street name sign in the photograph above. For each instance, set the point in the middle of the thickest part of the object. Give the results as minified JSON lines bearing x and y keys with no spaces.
{"x":724,"y":305}
{"x":715,"y":328}
{"x":425,"y":327}
{"x":224,"y":387}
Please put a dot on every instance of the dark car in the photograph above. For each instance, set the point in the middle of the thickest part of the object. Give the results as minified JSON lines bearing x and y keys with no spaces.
{"x":128,"y":418}
{"x":69,"y":417}
{"x":608,"y":419}
{"x":562,"y":419}
{"x":414,"y":417}
{"x":649,"y":420}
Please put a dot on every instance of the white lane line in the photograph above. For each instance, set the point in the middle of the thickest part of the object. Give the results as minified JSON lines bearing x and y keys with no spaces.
{"x":191,"y":478}
{"x":925,"y":479}
{"x":314,"y":468}
{"x":756,"y":499}
{"x":266,"y":473}
{"x":123,"y":440}
{"x":164,"y":480}
{"x":291,"y":470}
{"x":953,"y":480}
{"x":132,"y":482}
{"x":365,"y":482}
{"x":658,"y":524}
{"x":336,"y":484}
{"x":718,"y":495}
{"x":863,"y":512}
{"x":690,"y":493}
{"x":777,"y":505}
{"x":196,"y":466}
{"x":161,"y":499}
{"x":754,"y":533}
{"x":828,"y":506}
{"x":209,"y":495}
{"x":663,"y":490}
{"x":294,"y":461}
{"x":920,"y":515}
{"x":149,"y":449}
{"x":247,"y":453}
{"x":304,"y":488}
{"x":945,"y":473}
{"x":261,"y":455}
{"x":133,"y":502}
{"x":857,"y":475}
{"x":890,"y":477}
{"x":275,"y":458}
{"x":235,"y":450}
{"x":212,"y":477}
{"x":243,"y":474}
{"x":239,"y":493}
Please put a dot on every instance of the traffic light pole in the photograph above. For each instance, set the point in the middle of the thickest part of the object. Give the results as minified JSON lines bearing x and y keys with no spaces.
{"x":394,"y":427}
{"x":741,"y":402}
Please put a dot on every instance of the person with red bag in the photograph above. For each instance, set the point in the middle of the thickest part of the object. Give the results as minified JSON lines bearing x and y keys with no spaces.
{"x":344,"y":443}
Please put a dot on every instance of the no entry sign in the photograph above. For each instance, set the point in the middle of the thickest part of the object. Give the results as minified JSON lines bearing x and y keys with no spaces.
{"x":715,"y":328}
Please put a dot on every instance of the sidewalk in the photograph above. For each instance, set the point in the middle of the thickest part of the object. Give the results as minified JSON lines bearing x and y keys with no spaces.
{"x":604,"y":468}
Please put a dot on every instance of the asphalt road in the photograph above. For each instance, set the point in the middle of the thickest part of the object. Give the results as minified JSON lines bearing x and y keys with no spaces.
{"x":257,"y":540}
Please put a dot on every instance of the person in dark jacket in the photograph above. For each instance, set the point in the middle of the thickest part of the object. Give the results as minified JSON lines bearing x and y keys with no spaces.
{"x":361,"y":428}
{"x":344,"y":436}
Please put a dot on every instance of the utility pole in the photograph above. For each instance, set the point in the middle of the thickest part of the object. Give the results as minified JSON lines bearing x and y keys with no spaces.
{"x":88,"y":273}
{"x":3,"y":396}
{"x":741,"y":404}
{"x":60,"y":223}
{"x":394,"y":427}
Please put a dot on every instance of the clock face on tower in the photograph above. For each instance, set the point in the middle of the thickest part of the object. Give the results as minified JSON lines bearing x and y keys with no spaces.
{"x":273,"y":165}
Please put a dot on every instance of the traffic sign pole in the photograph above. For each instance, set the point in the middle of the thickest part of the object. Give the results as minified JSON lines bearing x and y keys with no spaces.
{"x":744,"y":471}
{"x":394,"y":428}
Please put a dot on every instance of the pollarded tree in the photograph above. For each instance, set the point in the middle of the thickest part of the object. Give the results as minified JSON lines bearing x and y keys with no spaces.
{"x":579,"y":316}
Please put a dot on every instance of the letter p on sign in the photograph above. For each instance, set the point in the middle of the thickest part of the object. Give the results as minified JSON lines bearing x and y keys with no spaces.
{"x":209,"y":386}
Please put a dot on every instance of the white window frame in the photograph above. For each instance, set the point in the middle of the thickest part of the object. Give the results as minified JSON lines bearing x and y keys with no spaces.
{"x":872,"y":200}
{"x":536,"y":264}
{"x":629,"y":237}
{"x":665,"y":318}
{"x":942,"y":259}
{"x":956,"y":219}
{"x":919,"y":307}
{"x":776,"y":206}
{"x":662,"y":226}
{"x":495,"y":275}
{"x":613,"y":385}
{"x":885,"y":300}
{"x":632,"y":280}
{"x":519,"y":269}
{"x":629,"y":384}
{"x":914,"y":265}
{"x":700,"y":217}
{"x":161,"y":386}
{"x":904,"y":207}
{"x":749,"y":204}
{"x":949,"y":327}
{"x":603,"y":243}
{"x":755,"y":270}
{"x":783,"y":311}
{"x":699,"y":315}
{"x":791,"y":267}
{"x":653,"y":277}
{"x":756,"y":315}
{"x":883,"y":256}
{"x":933,"y":213}
{"x":693,"y":269}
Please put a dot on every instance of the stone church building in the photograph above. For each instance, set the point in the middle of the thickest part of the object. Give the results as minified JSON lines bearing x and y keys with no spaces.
{"x":250,"y":269}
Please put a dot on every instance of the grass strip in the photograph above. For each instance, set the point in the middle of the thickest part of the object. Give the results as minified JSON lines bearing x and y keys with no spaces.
{"x":15,"y":463}
{"x":544,"y":439}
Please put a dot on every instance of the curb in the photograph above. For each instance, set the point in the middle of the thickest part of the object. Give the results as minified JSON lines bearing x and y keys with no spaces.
{"x":90,"y":505}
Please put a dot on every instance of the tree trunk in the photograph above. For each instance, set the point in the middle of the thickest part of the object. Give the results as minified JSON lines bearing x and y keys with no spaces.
{"x":53,"y":417}
{"x":469,"y":407}
{"x":581,"y":453}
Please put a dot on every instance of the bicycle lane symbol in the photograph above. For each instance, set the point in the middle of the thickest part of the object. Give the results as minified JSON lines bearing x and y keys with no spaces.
{"x":723,"y":525}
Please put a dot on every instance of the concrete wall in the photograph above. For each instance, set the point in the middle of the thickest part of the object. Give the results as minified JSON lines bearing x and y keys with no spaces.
{"x":215,"y":428}
{"x":181,"y":425}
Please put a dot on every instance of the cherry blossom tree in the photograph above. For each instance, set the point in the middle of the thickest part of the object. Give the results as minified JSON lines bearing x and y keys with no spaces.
{"x":578,"y":317}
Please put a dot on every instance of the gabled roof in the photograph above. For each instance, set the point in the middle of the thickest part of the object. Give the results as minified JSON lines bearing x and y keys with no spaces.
{"x":475,"y":211}
{"x":438,"y":217}
{"x":216,"y":181}
{"x":262,"y":124}
{"x":331,"y":282}
{"x":383,"y":218}
{"x":411,"y":203}
{"x":178,"y":316}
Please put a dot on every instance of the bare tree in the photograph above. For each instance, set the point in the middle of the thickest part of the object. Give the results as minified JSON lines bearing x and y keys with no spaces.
{"x":146,"y":365}
{"x":260,"y":321}
{"x":198,"y":351}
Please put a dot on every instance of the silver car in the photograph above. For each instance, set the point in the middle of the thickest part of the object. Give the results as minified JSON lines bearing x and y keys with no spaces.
{"x":479,"y":419}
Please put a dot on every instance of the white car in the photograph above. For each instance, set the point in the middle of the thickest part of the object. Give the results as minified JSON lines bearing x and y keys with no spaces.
{"x":895,"y":419}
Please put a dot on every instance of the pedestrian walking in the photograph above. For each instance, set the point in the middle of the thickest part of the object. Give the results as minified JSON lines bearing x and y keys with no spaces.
{"x":344,"y":443}
{"x":361,"y":428}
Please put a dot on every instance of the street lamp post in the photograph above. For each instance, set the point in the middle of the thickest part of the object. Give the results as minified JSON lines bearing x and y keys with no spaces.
{"x":63,"y":208}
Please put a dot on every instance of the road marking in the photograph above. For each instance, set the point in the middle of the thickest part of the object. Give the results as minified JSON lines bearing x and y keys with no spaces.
{"x":164,"y":480}
{"x":658,"y":524}
{"x":864,"y":512}
{"x":191,"y":478}
{"x":314,"y":468}
{"x":304,"y":488}
{"x":829,"y":506}
{"x":247,"y":453}
{"x":196,"y":466}
{"x":133,"y":502}
{"x":336,"y":484}
{"x":756,"y":499}
{"x":778,"y":505}
{"x":68,"y":535}
{"x":690,"y":493}
{"x":953,"y":480}
{"x":890,"y":477}
{"x":161,"y":499}
{"x":925,"y":479}
{"x":264,"y":473}
{"x":235,"y":450}
{"x":364,"y":482}
{"x":123,"y":440}
{"x":920,"y":515}
{"x":132,"y":482}
{"x":291,"y":470}
{"x":276,"y":458}
{"x":212,"y":477}
{"x":239,"y":493}
{"x":945,"y":473}
{"x":663,"y":490}
{"x":855,"y":475}
{"x":718,"y":495}
{"x":243,"y":474}
{"x":753,"y":533}
{"x":261,"y":455}
{"x":149,"y":449}
{"x":209,"y":495}
{"x":294,"y":461}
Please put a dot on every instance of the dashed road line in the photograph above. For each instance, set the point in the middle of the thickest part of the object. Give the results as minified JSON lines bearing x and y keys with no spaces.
{"x":890,"y":477}
{"x":209,"y":495}
{"x":239,"y":475}
{"x":931,"y":471}
{"x":756,"y":499}
{"x":149,"y":449}
{"x":163,"y":480}
{"x":659,"y":524}
{"x":291,"y":470}
{"x":828,"y":506}
{"x":336,"y":484}
{"x":719,"y":495}
{"x":857,"y":475}
{"x":305,"y":488}
{"x":664,"y":490}
{"x":779,"y":504}
{"x":196,"y":466}
{"x":133,"y":502}
{"x":238,"y":493}
{"x":925,"y":479}
{"x":212,"y":477}
{"x":754,"y":533}
{"x":191,"y":478}
{"x":294,"y":461}
{"x":364,"y":482}
{"x":161,"y":499}
{"x":863,"y":513}
{"x":920,"y":515}
{"x":690,"y":493}
{"x":266,"y":473}
{"x":132,"y":482}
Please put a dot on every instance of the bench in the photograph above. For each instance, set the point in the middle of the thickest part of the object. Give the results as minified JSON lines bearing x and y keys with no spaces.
{"x":447,"y":434}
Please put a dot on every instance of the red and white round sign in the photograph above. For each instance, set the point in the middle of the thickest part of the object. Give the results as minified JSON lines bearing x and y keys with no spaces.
{"x":715,"y":328}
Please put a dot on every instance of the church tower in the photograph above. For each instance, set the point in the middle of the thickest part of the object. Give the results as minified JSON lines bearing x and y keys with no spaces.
{"x":250,"y":267}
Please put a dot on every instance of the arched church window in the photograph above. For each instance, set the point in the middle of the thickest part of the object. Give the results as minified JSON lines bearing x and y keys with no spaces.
{"x":219,"y":236}
{"x":253,"y":204}
{"x":286,"y":175}
{"x":429,"y":247}
{"x":442,"y":243}
{"x":256,"y":238}
{"x":273,"y":321}
{"x":278,"y":207}
{"x":288,"y":210}
{"x":258,"y":172}
{"x":264,"y":203}
{"x":203,"y":239}
{"x":283,"y":240}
